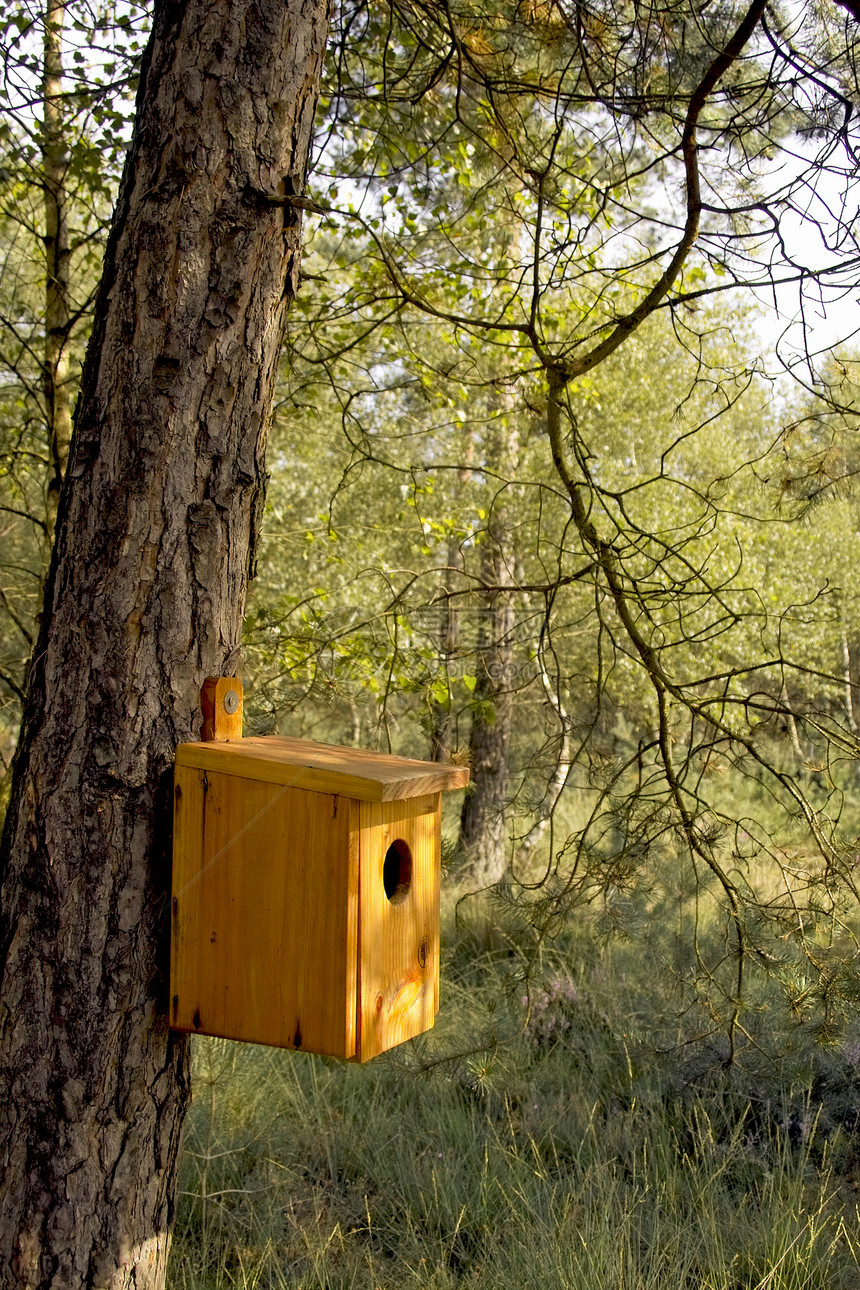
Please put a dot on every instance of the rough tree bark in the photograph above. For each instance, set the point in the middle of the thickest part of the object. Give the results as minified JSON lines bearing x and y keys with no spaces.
{"x":483,"y":826}
{"x":144,"y":600}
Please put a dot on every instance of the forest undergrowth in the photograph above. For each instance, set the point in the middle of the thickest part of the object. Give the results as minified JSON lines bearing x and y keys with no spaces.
{"x":571,"y":1123}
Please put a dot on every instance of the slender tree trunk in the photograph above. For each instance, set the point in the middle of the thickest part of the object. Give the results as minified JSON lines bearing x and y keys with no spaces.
{"x":846,"y":670}
{"x":441,"y":724}
{"x":483,"y":826}
{"x":440,"y":715}
{"x":55,"y":161}
{"x":144,"y":599}
{"x":791,"y":723}
{"x":558,"y":781}
{"x":483,"y":831}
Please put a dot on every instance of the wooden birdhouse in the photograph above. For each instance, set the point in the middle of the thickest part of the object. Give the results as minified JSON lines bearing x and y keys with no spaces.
{"x":306,"y":894}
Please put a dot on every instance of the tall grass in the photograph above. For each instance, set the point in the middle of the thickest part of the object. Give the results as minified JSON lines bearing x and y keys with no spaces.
{"x":568,"y":1154}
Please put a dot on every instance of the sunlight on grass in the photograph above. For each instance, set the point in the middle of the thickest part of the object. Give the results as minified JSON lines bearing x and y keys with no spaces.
{"x":570,"y":1155}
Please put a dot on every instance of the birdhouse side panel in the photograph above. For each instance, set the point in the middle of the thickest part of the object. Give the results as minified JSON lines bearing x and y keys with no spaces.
{"x":265,"y":913}
{"x":398,"y":952}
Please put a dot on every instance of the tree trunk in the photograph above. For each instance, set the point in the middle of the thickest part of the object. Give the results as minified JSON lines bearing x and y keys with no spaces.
{"x":440,"y":714}
{"x":560,"y":775}
{"x":483,"y":831}
{"x":846,"y":669}
{"x":483,"y":826}
{"x":55,"y":161}
{"x":441,"y":723}
{"x":790,"y":722}
{"x":144,"y":599}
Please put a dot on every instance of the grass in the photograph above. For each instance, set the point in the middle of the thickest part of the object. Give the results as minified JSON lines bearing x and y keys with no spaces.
{"x":564,"y":1152}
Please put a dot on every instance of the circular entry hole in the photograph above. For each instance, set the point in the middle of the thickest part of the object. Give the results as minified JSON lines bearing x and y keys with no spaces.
{"x":397,"y":871}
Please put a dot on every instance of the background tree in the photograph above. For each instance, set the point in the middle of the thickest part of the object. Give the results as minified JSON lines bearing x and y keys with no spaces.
{"x":633,"y":152}
{"x":626,"y":153}
{"x":155,"y":534}
{"x":66,"y":93}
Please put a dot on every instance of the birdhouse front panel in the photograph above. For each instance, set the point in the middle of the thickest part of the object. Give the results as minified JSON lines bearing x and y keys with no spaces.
{"x":306,"y":894}
{"x":398,"y":921}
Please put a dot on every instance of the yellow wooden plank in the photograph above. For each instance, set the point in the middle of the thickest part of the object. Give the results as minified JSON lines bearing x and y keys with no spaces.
{"x":221,"y":701}
{"x":324,"y":768}
{"x":265,"y":913}
{"x":398,"y":936}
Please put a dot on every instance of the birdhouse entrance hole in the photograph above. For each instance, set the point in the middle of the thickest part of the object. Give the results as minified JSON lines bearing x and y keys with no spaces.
{"x":305,"y":908}
{"x":397,"y":871}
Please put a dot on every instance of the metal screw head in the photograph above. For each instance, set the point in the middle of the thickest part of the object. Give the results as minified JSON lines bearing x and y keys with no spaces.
{"x":231,"y":702}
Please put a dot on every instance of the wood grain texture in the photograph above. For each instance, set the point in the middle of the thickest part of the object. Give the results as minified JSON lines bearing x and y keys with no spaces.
{"x":283,"y":929}
{"x":155,"y":537}
{"x":398,"y":941}
{"x":218,"y":723}
{"x":326,"y":768}
{"x":265,"y":913}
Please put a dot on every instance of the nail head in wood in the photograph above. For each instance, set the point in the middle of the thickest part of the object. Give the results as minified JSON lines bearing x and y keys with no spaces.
{"x":306,"y":894}
{"x":221,"y":701}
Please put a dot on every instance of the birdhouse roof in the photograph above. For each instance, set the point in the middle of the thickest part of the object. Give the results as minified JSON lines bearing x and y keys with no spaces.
{"x":324,"y":768}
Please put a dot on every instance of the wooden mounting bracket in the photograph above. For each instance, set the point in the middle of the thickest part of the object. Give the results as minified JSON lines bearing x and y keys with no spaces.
{"x":221,"y":701}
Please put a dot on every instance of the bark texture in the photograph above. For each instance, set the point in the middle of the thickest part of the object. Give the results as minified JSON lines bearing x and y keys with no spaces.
{"x":483,"y":824}
{"x":144,"y":600}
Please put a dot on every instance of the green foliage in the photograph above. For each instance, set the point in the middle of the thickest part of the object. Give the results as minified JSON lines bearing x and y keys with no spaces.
{"x":517,"y":312}
{"x":77,"y":155}
{"x":523,"y":375}
{"x":525,"y":426}
{"x":740,"y":789}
